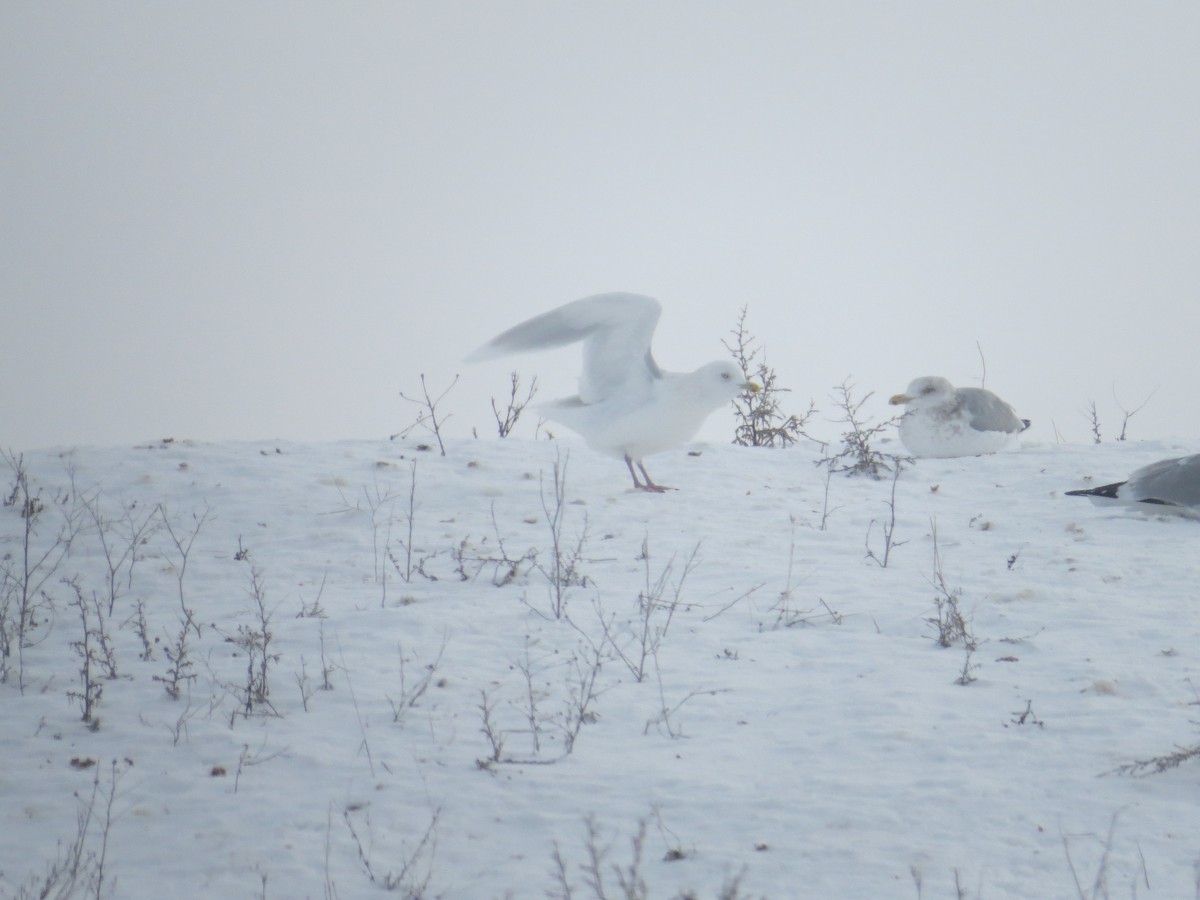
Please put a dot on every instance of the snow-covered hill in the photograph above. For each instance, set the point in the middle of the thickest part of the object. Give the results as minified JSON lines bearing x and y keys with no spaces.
{"x":387,"y":677}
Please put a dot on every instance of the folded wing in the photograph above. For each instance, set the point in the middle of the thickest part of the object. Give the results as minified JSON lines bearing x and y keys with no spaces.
{"x":989,"y":413}
{"x":1175,"y":482}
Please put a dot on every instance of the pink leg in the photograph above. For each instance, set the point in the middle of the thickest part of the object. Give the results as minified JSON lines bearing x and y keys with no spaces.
{"x":649,"y":485}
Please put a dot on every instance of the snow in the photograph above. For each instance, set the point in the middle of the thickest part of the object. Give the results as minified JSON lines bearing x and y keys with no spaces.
{"x":817,"y":742}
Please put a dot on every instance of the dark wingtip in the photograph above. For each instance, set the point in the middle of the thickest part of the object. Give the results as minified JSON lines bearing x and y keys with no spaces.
{"x":1025,"y":423}
{"x":1108,"y":490}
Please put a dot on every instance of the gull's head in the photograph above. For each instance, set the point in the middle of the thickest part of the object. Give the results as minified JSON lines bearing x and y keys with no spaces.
{"x":733,"y":376}
{"x":929,"y":390}
{"x":724,"y":379}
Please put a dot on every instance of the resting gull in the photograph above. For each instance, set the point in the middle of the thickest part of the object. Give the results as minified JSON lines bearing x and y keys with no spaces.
{"x":626,"y":406}
{"x":944,"y":421}
{"x":1169,"y":485}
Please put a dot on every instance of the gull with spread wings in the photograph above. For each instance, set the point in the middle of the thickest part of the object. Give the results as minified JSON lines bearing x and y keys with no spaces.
{"x":626,"y":406}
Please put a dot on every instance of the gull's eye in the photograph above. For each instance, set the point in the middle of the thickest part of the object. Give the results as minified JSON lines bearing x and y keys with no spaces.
{"x":725,"y":375}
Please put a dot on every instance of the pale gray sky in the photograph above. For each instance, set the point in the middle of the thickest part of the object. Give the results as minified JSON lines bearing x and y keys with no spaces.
{"x":250,"y":220}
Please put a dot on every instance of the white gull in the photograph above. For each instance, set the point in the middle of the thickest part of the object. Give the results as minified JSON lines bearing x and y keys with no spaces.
{"x":626,"y":406}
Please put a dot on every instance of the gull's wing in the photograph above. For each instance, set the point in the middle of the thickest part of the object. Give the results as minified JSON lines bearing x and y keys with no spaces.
{"x":615,"y":329}
{"x":989,"y":412}
{"x":1174,"y":482}
{"x":1101,"y":496}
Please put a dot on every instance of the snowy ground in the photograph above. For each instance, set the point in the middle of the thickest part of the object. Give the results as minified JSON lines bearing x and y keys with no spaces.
{"x":797,"y":732}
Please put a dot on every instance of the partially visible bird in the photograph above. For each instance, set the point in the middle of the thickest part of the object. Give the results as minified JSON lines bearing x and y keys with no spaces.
{"x":945,"y":421}
{"x":626,"y":406}
{"x":1169,"y":485}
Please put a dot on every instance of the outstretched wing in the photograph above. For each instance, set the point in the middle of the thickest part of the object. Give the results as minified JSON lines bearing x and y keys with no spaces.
{"x":616,"y":330}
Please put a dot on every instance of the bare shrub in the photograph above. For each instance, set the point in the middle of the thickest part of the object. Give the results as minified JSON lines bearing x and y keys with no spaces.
{"x":362,"y":725}
{"x":607,"y":879}
{"x":248,"y":760}
{"x":652,"y":618}
{"x":665,"y":722}
{"x":515,"y":405}
{"x":491,"y":731}
{"x":857,"y":454}
{"x":761,"y":422}
{"x":1094,"y":419}
{"x":119,"y":540}
{"x":179,"y":673}
{"x":1093,"y":416}
{"x":950,"y":625}
{"x":428,"y":417}
{"x":255,"y":641}
{"x":183,"y":537}
{"x":1128,"y":414}
{"x":505,"y":567}
{"x":582,"y":690}
{"x":596,"y":870}
{"x":1097,"y":887}
{"x":406,"y":571}
{"x":578,"y":690}
{"x":25,"y":604}
{"x":95,"y":650}
{"x":531,"y":699}
{"x":312,"y":609}
{"x":889,"y":526}
{"x":412,"y":690}
{"x":1163,"y":762}
{"x":786,"y":615}
{"x":302,"y":680}
{"x":1156,"y":764}
{"x":378,"y":505}
{"x":412,"y":878}
{"x":80,"y":866}
{"x":562,"y":572}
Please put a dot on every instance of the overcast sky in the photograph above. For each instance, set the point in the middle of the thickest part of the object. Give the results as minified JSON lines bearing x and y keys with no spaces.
{"x":257,"y":220}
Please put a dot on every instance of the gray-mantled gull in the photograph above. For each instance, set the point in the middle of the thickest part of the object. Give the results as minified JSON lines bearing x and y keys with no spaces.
{"x":1169,"y":485}
{"x":626,"y":406}
{"x":945,"y":421}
